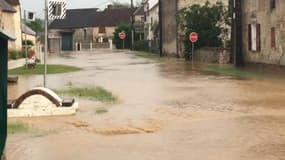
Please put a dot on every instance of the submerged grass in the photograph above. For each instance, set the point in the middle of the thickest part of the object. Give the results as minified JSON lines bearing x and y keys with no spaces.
{"x":51,"y":69}
{"x":101,"y":110}
{"x":232,"y":71}
{"x":154,"y":56}
{"x":18,"y":127}
{"x":97,"y":93}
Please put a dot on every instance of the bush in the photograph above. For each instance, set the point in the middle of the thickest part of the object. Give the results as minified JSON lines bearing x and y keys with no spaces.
{"x":22,"y":54}
{"x":141,"y":45}
{"x":13,"y":55}
{"x":209,"y":21}
{"x":29,"y":43}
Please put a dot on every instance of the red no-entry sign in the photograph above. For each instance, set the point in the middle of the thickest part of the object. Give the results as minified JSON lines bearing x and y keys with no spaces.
{"x":193,"y":37}
{"x":122,"y":35}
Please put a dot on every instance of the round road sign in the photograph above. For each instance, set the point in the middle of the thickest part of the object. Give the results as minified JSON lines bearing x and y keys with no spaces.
{"x":122,"y":35}
{"x":193,"y":37}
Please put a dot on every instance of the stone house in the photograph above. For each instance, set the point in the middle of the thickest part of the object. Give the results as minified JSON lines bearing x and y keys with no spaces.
{"x":151,"y":10}
{"x":171,"y":39}
{"x":10,"y":21}
{"x":263,"y":31}
{"x":87,"y":28}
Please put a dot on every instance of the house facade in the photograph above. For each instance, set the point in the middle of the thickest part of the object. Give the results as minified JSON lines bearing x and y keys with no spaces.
{"x":263,"y":31}
{"x":10,"y":21}
{"x":151,"y":11}
{"x":171,"y":38}
{"x":87,"y":28}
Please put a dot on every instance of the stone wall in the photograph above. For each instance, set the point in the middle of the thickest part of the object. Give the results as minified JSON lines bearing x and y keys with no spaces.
{"x":212,"y":55}
{"x":11,"y":22}
{"x":259,"y":12}
{"x":169,"y":26}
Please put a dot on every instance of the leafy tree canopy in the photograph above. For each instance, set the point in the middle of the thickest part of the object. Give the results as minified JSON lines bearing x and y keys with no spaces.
{"x":37,"y":25}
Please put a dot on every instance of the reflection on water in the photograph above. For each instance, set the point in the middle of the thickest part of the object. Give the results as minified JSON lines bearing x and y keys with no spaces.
{"x":166,"y":111}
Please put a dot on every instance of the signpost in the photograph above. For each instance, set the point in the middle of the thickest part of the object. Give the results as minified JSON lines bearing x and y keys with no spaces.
{"x":122,"y":36}
{"x":54,"y":9}
{"x":193,"y":37}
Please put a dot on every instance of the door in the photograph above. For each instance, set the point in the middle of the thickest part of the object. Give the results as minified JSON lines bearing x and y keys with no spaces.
{"x":66,"y":42}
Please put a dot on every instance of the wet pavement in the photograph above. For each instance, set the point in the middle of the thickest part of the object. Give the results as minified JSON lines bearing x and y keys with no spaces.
{"x":165,"y":111}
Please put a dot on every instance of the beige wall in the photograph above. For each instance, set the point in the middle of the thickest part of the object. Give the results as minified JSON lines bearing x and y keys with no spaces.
{"x":151,"y":20}
{"x":259,"y":12}
{"x":11,"y":23}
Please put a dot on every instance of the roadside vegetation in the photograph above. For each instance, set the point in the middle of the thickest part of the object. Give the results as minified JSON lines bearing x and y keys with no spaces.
{"x":97,"y":94}
{"x":101,"y":111}
{"x":237,"y":72}
{"x":39,"y":69}
{"x":210,"y":21}
{"x":19,"y":127}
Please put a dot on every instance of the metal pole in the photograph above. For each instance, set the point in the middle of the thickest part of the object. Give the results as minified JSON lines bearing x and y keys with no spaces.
{"x":26,"y":44}
{"x":46,"y":43}
{"x":123,"y":44}
{"x":192,"y":55}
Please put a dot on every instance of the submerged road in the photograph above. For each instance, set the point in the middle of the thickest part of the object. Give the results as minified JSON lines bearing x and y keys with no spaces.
{"x":165,"y":111}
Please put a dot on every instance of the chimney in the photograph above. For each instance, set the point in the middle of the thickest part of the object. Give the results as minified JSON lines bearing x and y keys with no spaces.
{"x":110,"y":6}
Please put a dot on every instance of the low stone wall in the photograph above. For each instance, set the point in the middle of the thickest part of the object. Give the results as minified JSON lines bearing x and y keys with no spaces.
{"x":212,"y":55}
{"x":16,"y":63}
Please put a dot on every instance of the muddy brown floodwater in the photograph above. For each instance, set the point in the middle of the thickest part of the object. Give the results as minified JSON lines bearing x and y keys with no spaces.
{"x":166,"y":111}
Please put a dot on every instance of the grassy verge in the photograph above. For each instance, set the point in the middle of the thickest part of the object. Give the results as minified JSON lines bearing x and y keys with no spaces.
{"x":18,"y":127}
{"x":154,"y":56}
{"x":51,"y":69}
{"x":97,"y":94}
{"x":231,"y":71}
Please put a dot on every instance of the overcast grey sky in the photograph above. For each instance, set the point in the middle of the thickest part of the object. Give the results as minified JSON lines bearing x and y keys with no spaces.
{"x":38,"y":5}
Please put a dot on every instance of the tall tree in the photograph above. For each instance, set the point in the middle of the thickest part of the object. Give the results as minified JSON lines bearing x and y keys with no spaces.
{"x":37,"y":25}
{"x":118,"y":4}
{"x":210,"y":21}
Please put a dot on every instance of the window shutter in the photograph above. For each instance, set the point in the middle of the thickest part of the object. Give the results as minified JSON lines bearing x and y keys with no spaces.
{"x":258,"y":41}
{"x":273,"y":37}
{"x":249,"y":38}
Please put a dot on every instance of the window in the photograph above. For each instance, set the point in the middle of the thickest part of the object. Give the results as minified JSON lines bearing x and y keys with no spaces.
{"x":273,"y":37}
{"x":85,"y":34}
{"x":254,"y":37}
{"x":102,"y":30}
{"x":272,"y":4}
{"x":57,"y":9}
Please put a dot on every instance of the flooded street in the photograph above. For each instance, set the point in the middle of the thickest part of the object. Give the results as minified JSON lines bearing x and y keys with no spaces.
{"x":166,"y":111}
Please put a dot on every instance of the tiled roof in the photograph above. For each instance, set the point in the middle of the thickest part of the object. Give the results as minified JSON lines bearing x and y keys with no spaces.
{"x":139,"y":11}
{"x":27,"y":30}
{"x":13,"y":2}
{"x":81,"y":18}
{"x":6,"y":7}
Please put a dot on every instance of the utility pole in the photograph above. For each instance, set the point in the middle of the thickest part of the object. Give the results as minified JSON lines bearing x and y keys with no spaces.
{"x":26,"y":44}
{"x":160,"y":27}
{"x":46,"y":43}
{"x":236,"y":7}
{"x":133,"y":32}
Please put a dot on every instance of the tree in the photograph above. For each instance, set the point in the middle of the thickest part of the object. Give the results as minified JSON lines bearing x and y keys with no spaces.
{"x":127,"y":28}
{"x":37,"y":25}
{"x":118,"y":4}
{"x":209,"y":21}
